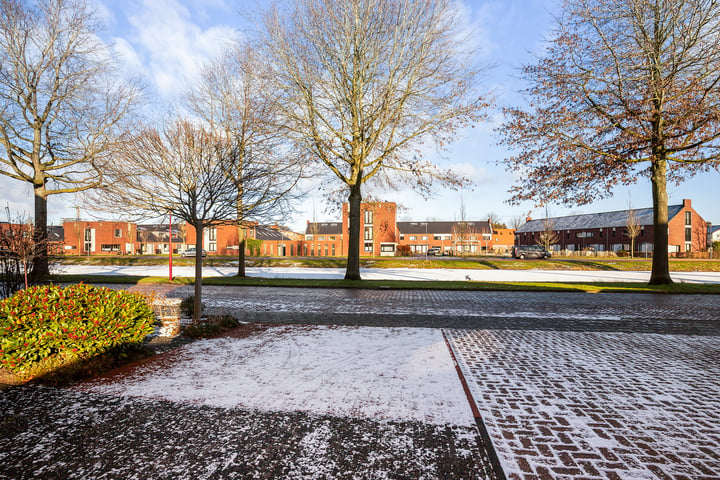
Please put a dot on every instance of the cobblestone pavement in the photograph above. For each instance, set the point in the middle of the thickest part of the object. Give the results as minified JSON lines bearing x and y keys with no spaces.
{"x":572,"y":405}
{"x":678,"y":314}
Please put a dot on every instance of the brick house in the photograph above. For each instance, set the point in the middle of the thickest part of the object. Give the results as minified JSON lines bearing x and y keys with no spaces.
{"x":503,"y":240}
{"x":323,"y":239}
{"x":606,"y":232}
{"x":378,"y":228}
{"x":453,"y":238}
{"x":82,"y":237}
{"x":276,"y":241}
{"x":154,"y":239}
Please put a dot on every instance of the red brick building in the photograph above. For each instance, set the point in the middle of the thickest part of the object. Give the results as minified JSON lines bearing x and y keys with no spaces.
{"x":273,"y":240}
{"x":81,"y":237}
{"x":607,"y":232}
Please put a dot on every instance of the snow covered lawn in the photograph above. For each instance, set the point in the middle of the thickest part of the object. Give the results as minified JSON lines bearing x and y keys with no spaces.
{"x":403,"y":374}
{"x":266,"y":402}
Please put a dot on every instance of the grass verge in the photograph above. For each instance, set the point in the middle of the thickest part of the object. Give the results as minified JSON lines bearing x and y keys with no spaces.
{"x":605,"y":287}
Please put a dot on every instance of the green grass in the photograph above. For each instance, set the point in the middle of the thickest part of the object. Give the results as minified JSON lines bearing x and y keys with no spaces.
{"x":475,"y":263}
{"x":624,"y":287}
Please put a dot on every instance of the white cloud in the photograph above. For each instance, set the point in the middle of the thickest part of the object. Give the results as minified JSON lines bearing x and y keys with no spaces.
{"x":171,"y":45}
{"x":129,"y":58}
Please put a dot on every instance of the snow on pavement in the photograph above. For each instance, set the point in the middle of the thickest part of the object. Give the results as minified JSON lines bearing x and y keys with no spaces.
{"x":418,"y":274}
{"x":403,"y":374}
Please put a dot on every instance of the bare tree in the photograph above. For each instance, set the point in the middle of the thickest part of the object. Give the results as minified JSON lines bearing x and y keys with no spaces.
{"x":632,"y":229}
{"x":180,"y":170}
{"x":366,"y":84}
{"x":61,"y":101}
{"x":236,"y":99}
{"x":625,"y":89}
{"x":495,"y":221}
{"x":547,"y":236}
{"x":518,"y":221}
{"x":17,"y":250}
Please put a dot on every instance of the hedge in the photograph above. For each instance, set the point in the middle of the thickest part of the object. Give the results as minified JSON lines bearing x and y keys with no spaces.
{"x":72,"y":323}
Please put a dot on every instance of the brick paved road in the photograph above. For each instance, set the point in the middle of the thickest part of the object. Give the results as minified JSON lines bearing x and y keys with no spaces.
{"x":570,"y":405}
{"x":681,"y":314}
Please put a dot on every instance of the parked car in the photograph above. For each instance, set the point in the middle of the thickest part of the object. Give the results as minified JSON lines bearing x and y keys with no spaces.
{"x":530,"y":251}
{"x":190,"y":252}
{"x":434,"y":251}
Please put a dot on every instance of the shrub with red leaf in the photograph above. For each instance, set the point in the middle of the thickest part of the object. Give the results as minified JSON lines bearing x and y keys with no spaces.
{"x":71,"y":323}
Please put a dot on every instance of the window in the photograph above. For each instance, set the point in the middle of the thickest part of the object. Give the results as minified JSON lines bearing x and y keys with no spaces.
{"x":368,"y":233}
{"x":688,"y":234}
{"x":437,"y":237}
{"x":88,"y":240}
{"x":402,"y":236}
{"x":368,"y":247}
{"x":110,"y":247}
{"x":447,"y":237}
{"x":212,"y":234}
{"x":688,"y":218}
{"x":118,"y":233}
{"x":321,"y":238}
{"x":424,"y":237}
{"x":368,"y":217}
{"x":332,"y":238}
{"x":308,"y":237}
{"x":333,"y":249}
{"x":412,"y":238}
{"x":326,"y":250}
{"x":387,"y":247}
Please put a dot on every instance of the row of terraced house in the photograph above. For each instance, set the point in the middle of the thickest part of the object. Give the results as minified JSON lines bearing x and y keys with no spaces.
{"x":383,"y":235}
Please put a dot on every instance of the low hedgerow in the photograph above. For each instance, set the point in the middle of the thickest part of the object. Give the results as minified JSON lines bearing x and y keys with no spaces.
{"x":59,"y":325}
{"x":210,"y":327}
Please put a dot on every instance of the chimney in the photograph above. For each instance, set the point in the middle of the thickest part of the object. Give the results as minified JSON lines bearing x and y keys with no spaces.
{"x":687,"y":203}
{"x":528,"y":218}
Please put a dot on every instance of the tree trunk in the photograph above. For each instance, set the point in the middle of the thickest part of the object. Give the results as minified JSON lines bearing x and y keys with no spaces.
{"x":241,"y":252}
{"x":197,"y":305}
{"x":660,"y":274}
{"x":40,"y":257}
{"x":352,"y":271}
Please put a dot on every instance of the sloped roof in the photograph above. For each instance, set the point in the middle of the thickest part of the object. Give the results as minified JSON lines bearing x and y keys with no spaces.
{"x":157,"y":233}
{"x":644,"y":216}
{"x":56,"y":233}
{"x":324,"y":228}
{"x":435,"y":228}
{"x":266,"y":232}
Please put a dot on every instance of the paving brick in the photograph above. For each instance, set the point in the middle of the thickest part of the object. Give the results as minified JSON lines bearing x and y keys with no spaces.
{"x":630,"y":405}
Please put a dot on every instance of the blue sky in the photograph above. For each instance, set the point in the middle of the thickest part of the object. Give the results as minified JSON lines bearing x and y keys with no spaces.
{"x":167,"y":40}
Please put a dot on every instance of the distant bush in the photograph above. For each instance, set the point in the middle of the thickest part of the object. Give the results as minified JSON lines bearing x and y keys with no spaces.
{"x":187,"y":306}
{"x":403,"y":251}
{"x":210,"y":327}
{"x":68,"y":324}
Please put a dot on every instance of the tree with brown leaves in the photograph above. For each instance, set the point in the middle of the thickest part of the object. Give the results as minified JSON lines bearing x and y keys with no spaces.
{"x":366,"y":85}
{"x":626,"y":89}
